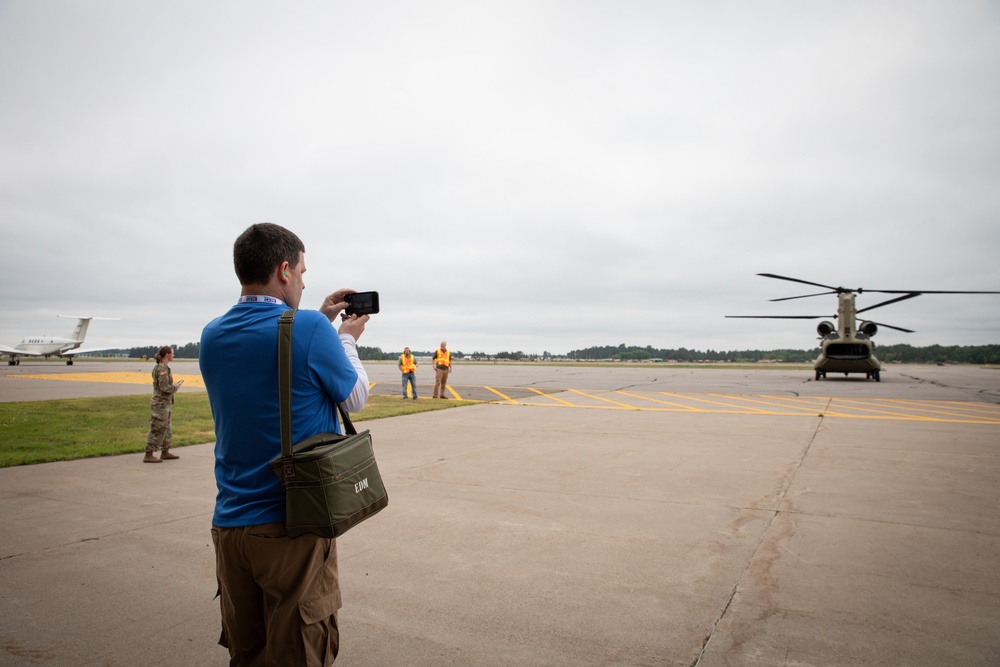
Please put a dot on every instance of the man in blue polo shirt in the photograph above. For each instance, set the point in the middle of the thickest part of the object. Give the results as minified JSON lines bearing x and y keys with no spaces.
{"x":279,"y":596}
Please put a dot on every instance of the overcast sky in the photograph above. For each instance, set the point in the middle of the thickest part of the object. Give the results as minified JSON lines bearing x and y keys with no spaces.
{"x":534,"y":176}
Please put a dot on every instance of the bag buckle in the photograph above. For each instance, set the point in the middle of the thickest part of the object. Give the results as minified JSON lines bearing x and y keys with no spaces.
{"x":289,"y":470}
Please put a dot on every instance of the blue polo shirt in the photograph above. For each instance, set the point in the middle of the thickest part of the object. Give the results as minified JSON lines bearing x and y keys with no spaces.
{"x":239,"y":363}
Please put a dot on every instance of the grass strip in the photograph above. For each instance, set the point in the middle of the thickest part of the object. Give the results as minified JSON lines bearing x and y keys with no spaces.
{"x":77,"y":428}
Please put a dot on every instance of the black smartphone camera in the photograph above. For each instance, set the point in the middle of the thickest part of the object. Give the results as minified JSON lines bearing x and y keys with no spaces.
{"x":362,"y":303}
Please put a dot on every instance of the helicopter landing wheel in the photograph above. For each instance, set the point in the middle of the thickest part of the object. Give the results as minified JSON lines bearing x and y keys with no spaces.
{"x":819,"y":374}
{"x":877,"y":376}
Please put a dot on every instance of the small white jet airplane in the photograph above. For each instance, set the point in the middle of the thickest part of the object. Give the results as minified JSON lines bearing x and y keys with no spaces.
{"x":53,"y":346}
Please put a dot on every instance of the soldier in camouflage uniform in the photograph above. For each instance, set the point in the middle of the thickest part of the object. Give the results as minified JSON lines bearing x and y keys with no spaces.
{"x":160,"y":432}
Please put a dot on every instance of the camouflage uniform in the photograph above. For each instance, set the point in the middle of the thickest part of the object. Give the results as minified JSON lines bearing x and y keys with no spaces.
{"x":160,"y":432}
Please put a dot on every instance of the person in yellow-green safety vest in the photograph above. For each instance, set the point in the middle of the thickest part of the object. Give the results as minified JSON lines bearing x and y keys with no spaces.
{"x":408,"y":367}
{"x":442,"y":366}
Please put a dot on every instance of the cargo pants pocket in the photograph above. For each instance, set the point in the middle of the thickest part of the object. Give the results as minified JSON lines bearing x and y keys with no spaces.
{"x":320,"y":634}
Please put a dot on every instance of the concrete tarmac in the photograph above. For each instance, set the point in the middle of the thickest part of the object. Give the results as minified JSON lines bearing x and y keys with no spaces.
{"x":568,"y":528}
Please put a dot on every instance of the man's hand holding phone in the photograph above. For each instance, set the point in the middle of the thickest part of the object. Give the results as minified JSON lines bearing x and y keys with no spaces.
{"x":353,"y":307}
{"x":361,"y":303}
{"x":350,"y":302}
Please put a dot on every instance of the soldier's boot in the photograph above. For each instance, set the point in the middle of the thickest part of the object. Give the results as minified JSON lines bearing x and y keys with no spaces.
{"x":149,"y":458}
{"x":167,"y":456}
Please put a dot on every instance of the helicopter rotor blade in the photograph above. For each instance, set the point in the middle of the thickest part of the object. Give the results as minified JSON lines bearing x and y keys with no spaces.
{"x":804,"y":296}
{"x":859,"y":290}
{"x":923,"y":291}
{"x":903,"y":296}
{"x":782,"y":317}
{"x":886,"y":303}
{"x":836,"y":290}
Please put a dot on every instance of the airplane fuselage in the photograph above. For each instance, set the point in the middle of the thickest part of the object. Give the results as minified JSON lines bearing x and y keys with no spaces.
{"x":47,"y":346}
{"x":51,"y":346}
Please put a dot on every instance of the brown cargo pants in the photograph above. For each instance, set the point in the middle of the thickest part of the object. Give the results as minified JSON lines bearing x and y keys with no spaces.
{"x":279,"y":596}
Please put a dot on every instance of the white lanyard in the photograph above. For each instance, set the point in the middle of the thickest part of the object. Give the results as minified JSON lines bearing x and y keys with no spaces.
{"x":257,"y":298}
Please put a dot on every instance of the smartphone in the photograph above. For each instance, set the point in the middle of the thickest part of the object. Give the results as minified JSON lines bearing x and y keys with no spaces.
{"x":362,"y":303}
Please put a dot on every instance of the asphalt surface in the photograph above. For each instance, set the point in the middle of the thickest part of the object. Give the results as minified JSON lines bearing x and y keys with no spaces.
{"x":596,"y":516}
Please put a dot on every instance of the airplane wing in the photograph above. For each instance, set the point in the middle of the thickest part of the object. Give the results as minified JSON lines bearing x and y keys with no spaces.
{"x":4,"y":349}
{"x":73,"y":353}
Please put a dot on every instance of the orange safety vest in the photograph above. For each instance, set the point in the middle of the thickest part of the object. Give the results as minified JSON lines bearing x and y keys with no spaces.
{"x":442,"y":358}
{"x":408,"y":363}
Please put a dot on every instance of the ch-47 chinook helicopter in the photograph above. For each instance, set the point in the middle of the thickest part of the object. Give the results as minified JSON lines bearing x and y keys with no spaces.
{"x":847,"y":346}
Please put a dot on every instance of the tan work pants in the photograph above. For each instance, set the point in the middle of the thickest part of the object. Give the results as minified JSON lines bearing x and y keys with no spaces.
{"x":279,"y":596}
{"x":440,"y":382}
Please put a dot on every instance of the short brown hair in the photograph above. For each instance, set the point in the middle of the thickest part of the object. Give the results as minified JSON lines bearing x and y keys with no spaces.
{"x":261,"y":248}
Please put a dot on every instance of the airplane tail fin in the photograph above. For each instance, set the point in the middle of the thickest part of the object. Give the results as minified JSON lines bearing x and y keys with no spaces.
{"x":80,"y":330}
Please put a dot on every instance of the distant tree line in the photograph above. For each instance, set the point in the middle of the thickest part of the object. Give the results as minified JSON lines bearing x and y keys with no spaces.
{"x":635,"y":353}
{"x":943,"y":354}
{"x":512,"y":356}
{"x":376,"y":354}
{"x":960,"y":354}
{"x":189,"y":351}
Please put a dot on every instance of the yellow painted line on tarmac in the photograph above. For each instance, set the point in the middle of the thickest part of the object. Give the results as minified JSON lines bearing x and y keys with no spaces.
{"x":872,"y":408}
{"x":500,"y":394}
{"x":950,"y":408}
{"x":563,"y":403}
{"x":133,"y":377}
{"x":601,"y":398}
{"x":971,"y":409}
{"x":453,"y":392}
{"x":189,"y":381}
{"x":582,"y":406}
{"x":782,"y":402}
{"x":804,"y":406}
{"x":913,"y":418}
{"x":740,"y":408}
{"x":679,"y":406}
{"x":738,"y":405}
{"x":846,"y":404}
{"x":926,"y":411}
{"x":900,"y":409}
{"x":550,"y":397}
{"x":989,"y":409}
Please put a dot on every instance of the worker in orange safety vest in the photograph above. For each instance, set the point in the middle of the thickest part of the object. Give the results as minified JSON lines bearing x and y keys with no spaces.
{"x":408,"y":367}
{"x":442,"y":366}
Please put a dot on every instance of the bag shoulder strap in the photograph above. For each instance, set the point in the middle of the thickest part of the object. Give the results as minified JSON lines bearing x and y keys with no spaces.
{"x":285,"y":386}
{"x":345,"y":419}
{"x":285,"y":380}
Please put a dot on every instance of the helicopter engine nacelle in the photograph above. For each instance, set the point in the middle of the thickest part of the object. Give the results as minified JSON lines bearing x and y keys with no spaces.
{"x":825,"y":328}
{"x":868,"y":328}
